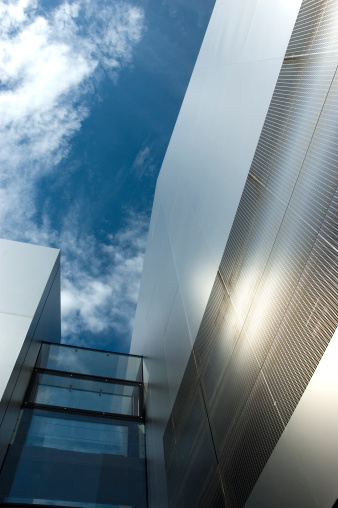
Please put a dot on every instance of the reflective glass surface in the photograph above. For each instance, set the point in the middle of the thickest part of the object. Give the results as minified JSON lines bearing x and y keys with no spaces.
{"x":75,"y":460}
{"x":89,"y":361}
{"x":100,"y":395}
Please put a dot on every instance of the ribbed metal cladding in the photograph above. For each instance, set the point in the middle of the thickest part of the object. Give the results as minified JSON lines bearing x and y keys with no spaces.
{"x":182,"y":407}
{"x":249,"y":444}
{"x":224,"y":345}
{"x":192,"y":473}
{"x":273,"y":308}
{"x":171,"y":462}
{"x":306,"y":27}
{"x":233,"y":393}
{"x":205,"y":340}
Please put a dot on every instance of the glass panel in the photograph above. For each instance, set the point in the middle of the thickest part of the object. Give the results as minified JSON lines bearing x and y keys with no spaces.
{"x":75,"y":460}
{"x":91,"y":395}
{"x":79,"y":436}
{"x":90,"y":434}
{"x":91,"y":362}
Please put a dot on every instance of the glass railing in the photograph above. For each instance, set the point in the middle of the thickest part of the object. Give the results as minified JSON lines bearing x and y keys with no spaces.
{"x":80,"y":438}
{"x":91,"y":362}
{"x":59,"y":459}
{"x":76,"y":392}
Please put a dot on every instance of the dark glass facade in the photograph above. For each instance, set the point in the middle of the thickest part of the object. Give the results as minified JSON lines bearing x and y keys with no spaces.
{"x":80,"y":438}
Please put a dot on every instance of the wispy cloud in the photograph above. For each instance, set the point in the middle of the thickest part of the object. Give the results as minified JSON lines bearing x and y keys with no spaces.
{"x":49,"y":63}
{"x":102,"y":280}
{"x":144,"y":163}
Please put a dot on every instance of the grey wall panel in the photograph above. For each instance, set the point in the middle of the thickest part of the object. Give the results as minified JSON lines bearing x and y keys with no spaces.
{"x":220,"y":172}
{"x":204,"y":343}
{"x":202,"y":483}
{"x":16,"y":388}
{"x":249,"y":445}
{"x":179,"y":340}
{"x":302,"y":470}
{"x":216,"y":340}
{"x":27,"y":273}
{"x":214,"y":141}
{"x":183,"y":403}
{"x":168,"y":282}
{"x":197,"y":195}
{"x":282,"y":483}
{"x":195,"y":275}
{"x":49,"y":325}
{"x":171,"y":460}
{"x":15,"y":330}
{"x":157,"y":402}
{"x":264,"y":42}
{"x":231,"y":397}
{"x":223,"y":348}
{"x":29,"y":297}
{"x":191,"y":463}
{"x":273,"y":306}
{"x":155,"y":361}
{"x":25,"y":270}
{"x":153,"y":264}
{"x":303,"y":36}
{"x":155,"y":425}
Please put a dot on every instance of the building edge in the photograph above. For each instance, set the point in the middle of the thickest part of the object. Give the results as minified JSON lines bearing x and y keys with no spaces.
{"x":30,"y":312}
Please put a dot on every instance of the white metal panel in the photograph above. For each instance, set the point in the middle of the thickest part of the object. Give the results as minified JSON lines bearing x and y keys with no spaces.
{"x":213,"y":143}
{"x":196,"y":274}
{"x":29,"y":303}
{"x":227,"y":32}
{"x":24,"y":272}
{"x":265,"y":41}
{"x":168,"y":283}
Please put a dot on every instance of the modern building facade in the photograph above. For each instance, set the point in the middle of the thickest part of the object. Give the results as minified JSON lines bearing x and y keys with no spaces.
{"x":29,"y":313}
{"x":79,"y":439}
{"x":237,"y":312}
{"x":72,"y":419}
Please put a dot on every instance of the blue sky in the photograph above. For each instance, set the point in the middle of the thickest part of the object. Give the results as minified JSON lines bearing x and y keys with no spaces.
{"x":90,"y":92}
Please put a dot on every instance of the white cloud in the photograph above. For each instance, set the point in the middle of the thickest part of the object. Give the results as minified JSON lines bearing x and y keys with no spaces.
{"x":101,"y":281}
{"x":48,"y":64}
{"x":144,"y":163}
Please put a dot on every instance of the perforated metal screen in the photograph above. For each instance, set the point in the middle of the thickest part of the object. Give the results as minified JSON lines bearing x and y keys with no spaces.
{"x":273,"y":308}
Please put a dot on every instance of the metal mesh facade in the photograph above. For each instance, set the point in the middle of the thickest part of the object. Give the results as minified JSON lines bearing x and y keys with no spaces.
{"x":273,"y":308}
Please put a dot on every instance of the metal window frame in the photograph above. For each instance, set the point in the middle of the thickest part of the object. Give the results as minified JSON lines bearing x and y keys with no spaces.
{"x":37,"y":370}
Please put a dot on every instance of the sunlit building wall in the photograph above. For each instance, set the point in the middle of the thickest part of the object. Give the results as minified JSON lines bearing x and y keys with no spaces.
{"x":29,"y":313}
{"x":238,"y":309}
